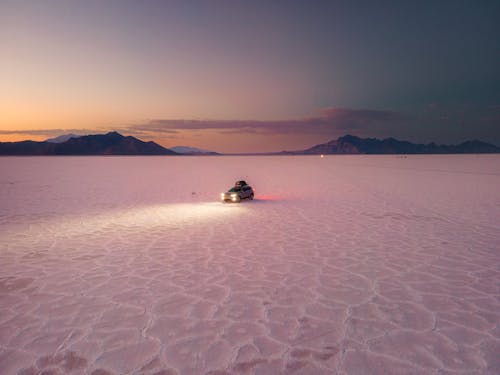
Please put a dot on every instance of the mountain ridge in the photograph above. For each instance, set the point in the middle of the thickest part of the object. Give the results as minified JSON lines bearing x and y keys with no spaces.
{"x":350,"y":144}
{"x":187,"y":150}
{"x":112,"y":143}
{"x":62,"y":138}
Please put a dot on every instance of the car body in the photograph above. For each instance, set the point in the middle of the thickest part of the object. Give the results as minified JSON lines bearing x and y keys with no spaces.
{"x":240,"y":191}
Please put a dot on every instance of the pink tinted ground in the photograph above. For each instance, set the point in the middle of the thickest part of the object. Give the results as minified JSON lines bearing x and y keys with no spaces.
{"x":342,"y":265}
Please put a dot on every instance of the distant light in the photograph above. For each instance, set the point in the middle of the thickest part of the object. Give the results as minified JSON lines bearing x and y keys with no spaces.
{"x":322,"y":155}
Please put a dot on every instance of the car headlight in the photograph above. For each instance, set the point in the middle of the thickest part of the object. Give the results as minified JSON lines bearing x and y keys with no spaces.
{"x":222,"y":195}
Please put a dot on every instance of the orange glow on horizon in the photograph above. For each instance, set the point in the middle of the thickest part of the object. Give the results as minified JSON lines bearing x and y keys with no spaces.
{"x":211,"y":140}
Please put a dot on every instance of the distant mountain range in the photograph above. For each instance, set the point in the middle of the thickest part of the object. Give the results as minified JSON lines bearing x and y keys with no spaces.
{"x":62,"y":138}
{"x":350,"y":144}
{"x":112,"y":143}
{"x":185,"y":150}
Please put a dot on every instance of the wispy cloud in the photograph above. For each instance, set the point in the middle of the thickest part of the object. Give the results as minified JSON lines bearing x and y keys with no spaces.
{"x":327,"y":122}
{"x":328,"y":119}
{"x":49,"y":132}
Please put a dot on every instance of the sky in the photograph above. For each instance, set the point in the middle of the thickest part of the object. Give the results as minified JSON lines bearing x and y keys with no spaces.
{"x":250,"y":76}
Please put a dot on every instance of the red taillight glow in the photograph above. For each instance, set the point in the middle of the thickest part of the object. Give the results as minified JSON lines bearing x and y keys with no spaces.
{"x":269,"y":198}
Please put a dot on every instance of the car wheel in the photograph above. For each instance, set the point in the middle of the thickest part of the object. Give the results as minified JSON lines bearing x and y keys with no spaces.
{"x":251,"y":196}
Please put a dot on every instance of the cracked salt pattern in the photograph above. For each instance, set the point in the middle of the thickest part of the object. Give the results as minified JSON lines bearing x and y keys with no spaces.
{"x":342,"y":265}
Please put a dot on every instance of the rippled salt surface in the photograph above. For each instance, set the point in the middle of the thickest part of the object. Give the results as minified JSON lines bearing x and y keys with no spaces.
{"x":342,"y":265}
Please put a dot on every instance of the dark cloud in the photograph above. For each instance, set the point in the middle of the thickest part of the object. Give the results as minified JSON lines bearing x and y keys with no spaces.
{"x":328,"y":120}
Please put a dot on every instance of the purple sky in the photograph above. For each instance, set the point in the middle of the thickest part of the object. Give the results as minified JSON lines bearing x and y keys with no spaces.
{"x":237,"y":76}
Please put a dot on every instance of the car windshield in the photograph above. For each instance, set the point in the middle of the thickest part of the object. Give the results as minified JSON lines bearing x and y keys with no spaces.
{"x":234,"y":190}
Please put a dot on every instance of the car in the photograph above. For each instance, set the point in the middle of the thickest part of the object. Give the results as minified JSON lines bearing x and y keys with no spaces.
{"x":241,"y":190}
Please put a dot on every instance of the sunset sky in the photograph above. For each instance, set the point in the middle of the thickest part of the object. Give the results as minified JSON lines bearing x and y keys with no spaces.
{"x":235,"y":76}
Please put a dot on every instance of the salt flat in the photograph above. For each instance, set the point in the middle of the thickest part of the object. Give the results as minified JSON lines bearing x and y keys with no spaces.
{"x":342,"y":265}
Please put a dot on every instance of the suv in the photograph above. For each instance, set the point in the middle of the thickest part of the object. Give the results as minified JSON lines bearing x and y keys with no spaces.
{"x":241,"y":190}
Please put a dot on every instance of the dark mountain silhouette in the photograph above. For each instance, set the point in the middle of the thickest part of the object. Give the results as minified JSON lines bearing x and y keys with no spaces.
{"x":26,"y":148}
{"x":112,"y":143}
{"x":186,"y":150}
{"x":350,"y":144}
